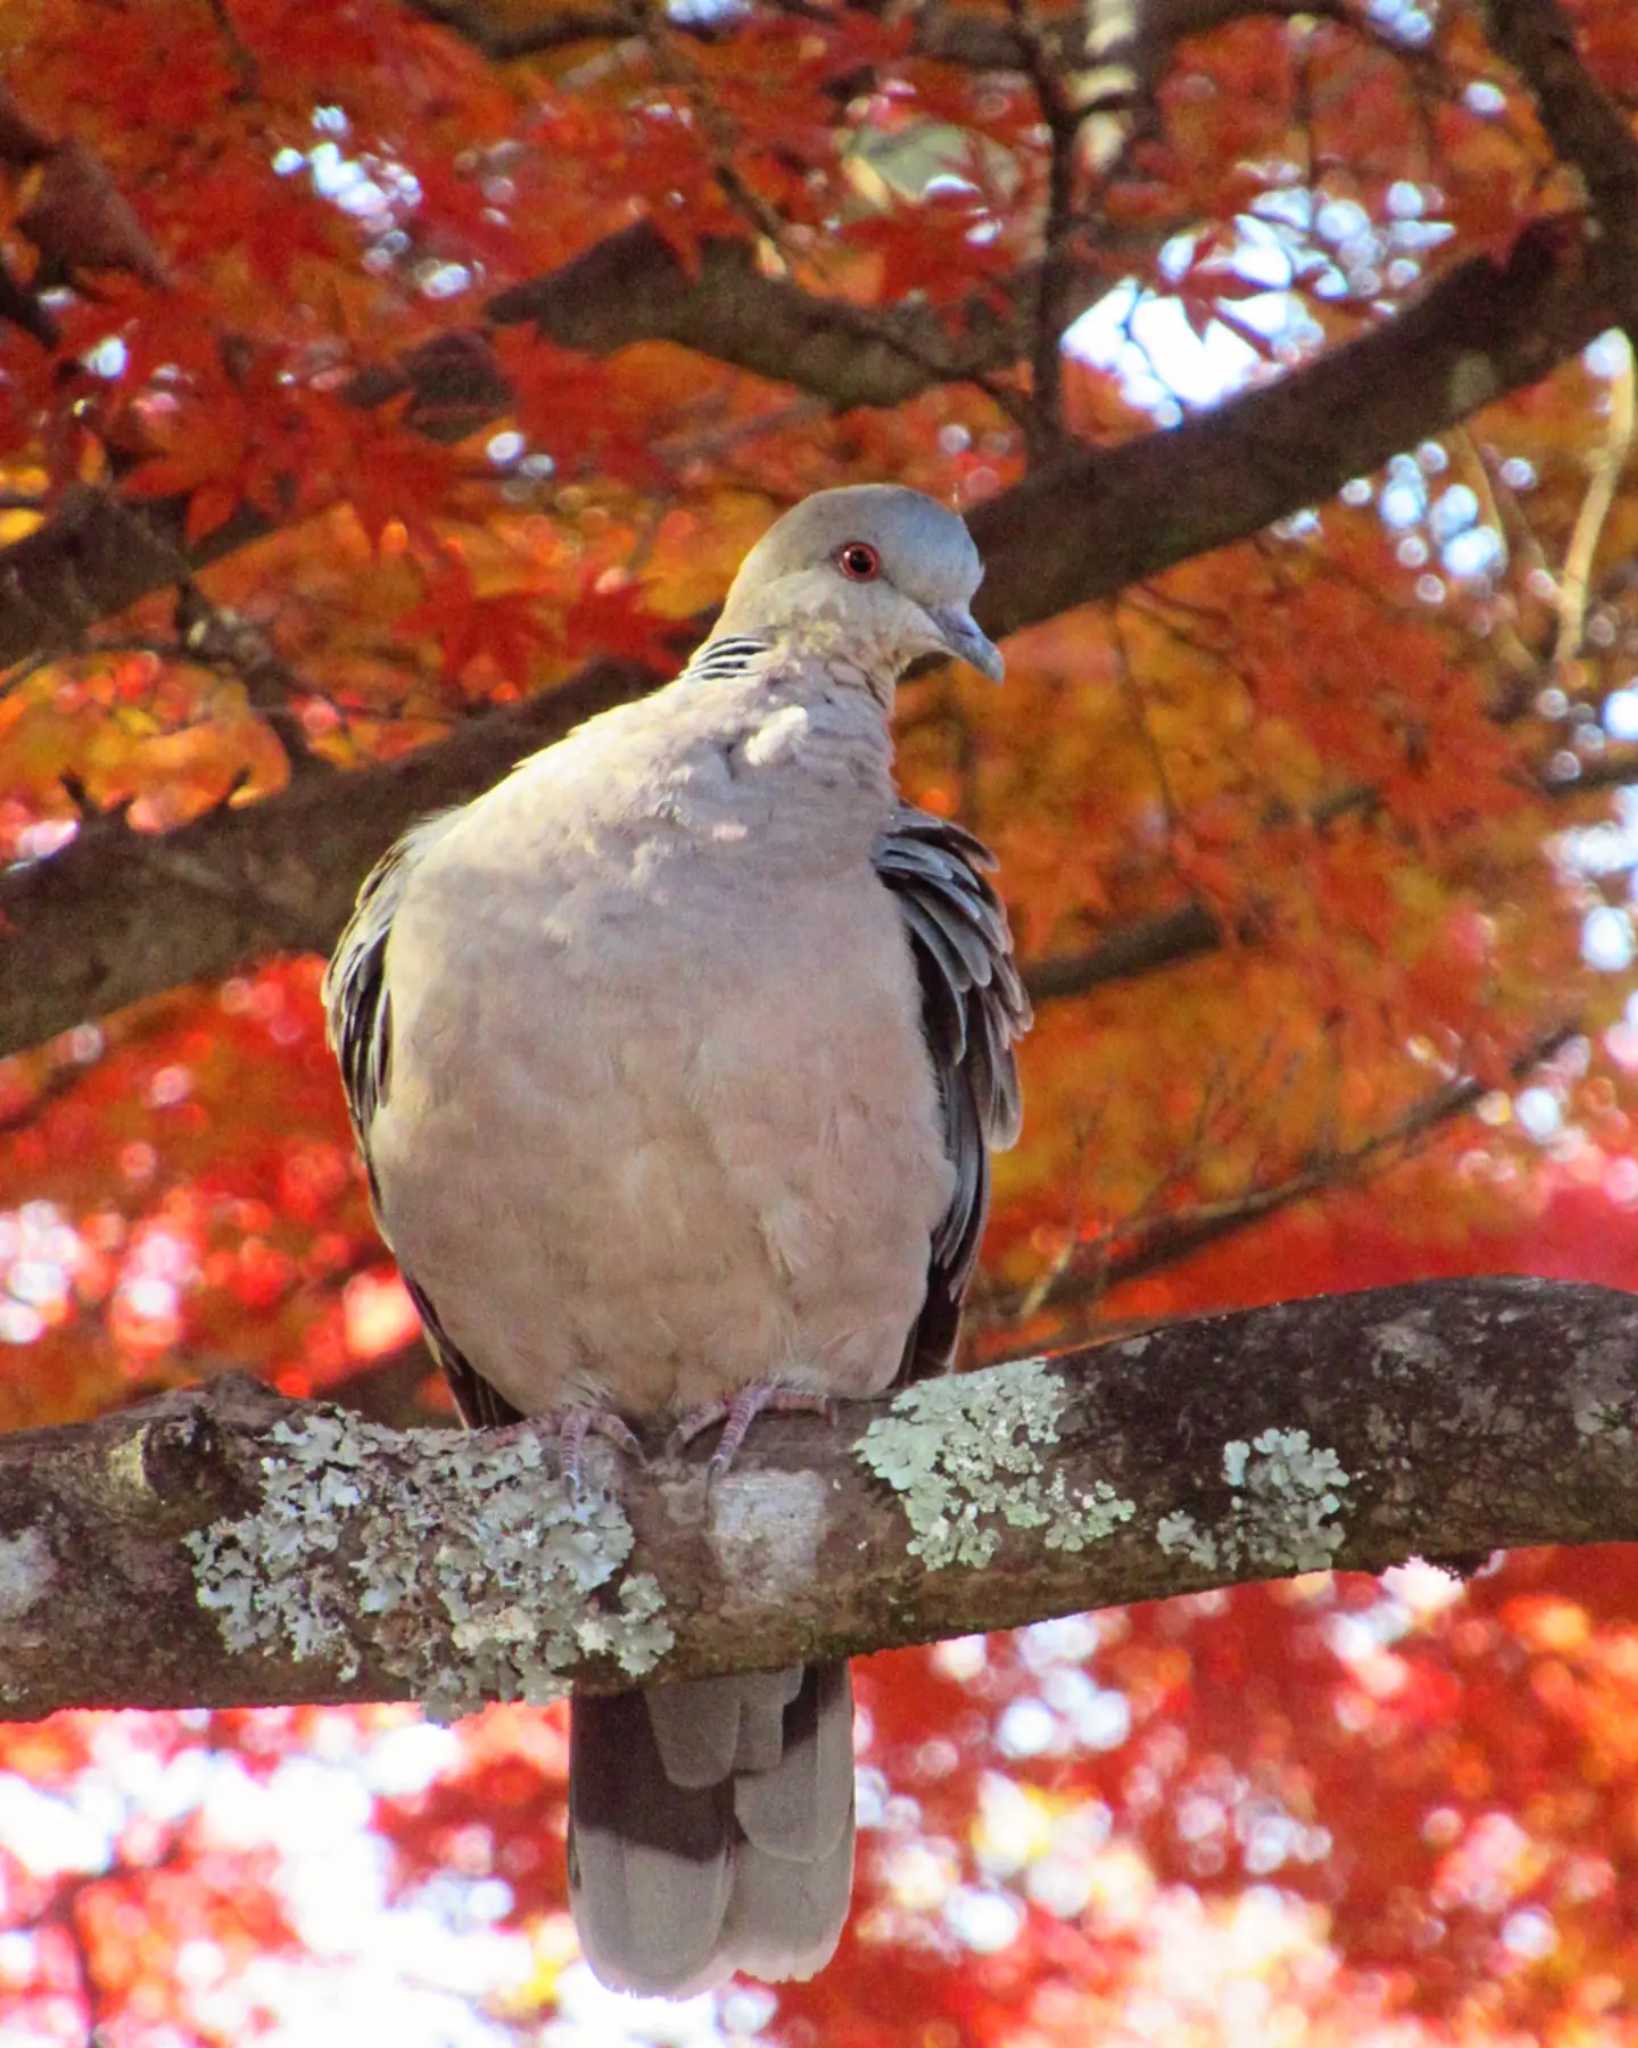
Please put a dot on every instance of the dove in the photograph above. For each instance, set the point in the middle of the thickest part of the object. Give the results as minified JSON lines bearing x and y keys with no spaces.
{"x":676,"y":1060}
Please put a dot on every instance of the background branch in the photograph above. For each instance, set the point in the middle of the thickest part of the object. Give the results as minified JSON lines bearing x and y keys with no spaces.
{"x":122,"y":914}
{"x":1589,"y":133}
{"x":1149,"y":1243}
{"x":115,"y":917}
{"x":1112,"y":516}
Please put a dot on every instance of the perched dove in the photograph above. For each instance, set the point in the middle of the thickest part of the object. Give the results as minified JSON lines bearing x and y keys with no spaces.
{"x":675,"y":1060}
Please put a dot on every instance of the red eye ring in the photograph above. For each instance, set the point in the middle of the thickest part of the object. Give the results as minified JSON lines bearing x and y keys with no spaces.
{"x":858,"y":561}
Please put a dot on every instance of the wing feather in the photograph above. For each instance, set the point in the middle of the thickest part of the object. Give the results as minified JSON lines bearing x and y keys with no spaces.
{"x":358,"y":1021}
{"x":973,"y":1010}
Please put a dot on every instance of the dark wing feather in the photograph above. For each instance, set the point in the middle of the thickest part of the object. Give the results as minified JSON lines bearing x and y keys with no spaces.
{"x":973,"y":1008}
{"x":358,"y":1017}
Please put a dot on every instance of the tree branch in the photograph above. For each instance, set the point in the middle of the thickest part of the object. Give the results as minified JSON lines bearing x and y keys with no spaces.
{"x":1126,"y":951}
{"x":107,"y":924}
{"x":1150,"y":1243}
{"x":974,"y":41}
{"x":1104,"y":518}
{"x":634,"y":287}
{"x":1120,"y":514}
{"x":99,"y":554}
{"x":118,"y":915}
{"x":223,"y":1546}
{"x":1589,"y":133}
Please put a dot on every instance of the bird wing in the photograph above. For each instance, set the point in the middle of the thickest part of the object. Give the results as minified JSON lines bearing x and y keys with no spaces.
{"x":973,"y":1010}
{"x":358,"y":1024}
{"x":358,"y":1008}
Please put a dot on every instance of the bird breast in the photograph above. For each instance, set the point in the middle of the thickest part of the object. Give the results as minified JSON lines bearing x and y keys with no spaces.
{"x":661,"y":1121}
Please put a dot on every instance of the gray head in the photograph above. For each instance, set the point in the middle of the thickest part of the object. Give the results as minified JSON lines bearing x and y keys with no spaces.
{"x":887,"y":570}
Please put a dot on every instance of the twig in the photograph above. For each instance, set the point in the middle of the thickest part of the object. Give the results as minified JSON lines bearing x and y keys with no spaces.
{"x":244,"y":58}
{"x":1500,"y":510}
{"x":1063,"y":124}
{"x":1131,"y":691}
{"x":1170,"y":1239}
{"x":1604,"y":477}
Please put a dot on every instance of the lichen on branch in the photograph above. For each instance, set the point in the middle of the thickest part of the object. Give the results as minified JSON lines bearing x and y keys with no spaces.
{"x":224,"y":1546}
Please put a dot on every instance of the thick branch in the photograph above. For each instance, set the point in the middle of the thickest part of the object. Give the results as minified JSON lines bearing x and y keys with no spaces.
{"x":106,"y":922}
{"x":1588,"y":132}
{"x":633,"y":287}
{"x":972,"y":40}
{"x":1116,"y":515}
{"x":1088,"y":526}
{"x":99,"y":554}
{"x":118,"y":914}
{"x":343,"y":1561}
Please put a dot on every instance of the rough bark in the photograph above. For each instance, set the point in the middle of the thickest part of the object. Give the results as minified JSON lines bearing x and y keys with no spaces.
{"x":346,"y":1561}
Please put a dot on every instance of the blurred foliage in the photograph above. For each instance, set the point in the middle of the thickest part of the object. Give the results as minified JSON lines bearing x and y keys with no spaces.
{"x":1383,"y":746}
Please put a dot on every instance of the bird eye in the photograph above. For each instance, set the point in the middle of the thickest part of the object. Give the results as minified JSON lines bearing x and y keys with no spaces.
{"x":858,"y":561}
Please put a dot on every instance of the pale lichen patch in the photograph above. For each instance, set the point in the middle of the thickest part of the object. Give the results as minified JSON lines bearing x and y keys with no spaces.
{"x":764,"y":1530}
{"x":355,"y":1550}
{"x":1282,"y":1512}
{"x":1180,"y":1535}
{"x":962,"y":1449}
{"x":27,"y":1569}
{"x":1602,"y":1399}
{"x":1409,"y":1342}
{"x":1472,"y":382}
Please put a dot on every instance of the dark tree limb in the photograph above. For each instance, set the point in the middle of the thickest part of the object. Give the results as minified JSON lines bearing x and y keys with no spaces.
{"x":99,"y":554}
{"x":1589,"y":134}
{"x":634,"y":287}
{"x":1127,"y":951}
{"x":1118,"y":514}
{"x":341,"y":1561}
{"x":118,"y":914}
{"x":113,"y":918}
{"x":974,"y":41}
{"x":1105,"y":518}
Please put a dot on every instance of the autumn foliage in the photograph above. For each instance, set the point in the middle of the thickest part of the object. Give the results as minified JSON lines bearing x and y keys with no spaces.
{"x":373,"y":369}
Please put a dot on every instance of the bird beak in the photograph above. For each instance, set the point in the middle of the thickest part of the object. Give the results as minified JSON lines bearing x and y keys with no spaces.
{"x":959,"y":632}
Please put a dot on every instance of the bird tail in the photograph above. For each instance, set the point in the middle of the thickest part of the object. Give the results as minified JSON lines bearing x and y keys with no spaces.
{"x":711,"y":1828}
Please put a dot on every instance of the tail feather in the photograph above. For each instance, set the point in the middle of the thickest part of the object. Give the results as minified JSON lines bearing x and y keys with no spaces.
{"x":711,"y":1727}
{"x":800,"y":1811}
{"x":678,"y":1878}
{"x":784,"y":1917}
{"x":649,"y":1870}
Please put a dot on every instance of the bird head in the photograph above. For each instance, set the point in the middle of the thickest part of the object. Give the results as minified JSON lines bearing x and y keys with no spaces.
{"x":881,"y":568}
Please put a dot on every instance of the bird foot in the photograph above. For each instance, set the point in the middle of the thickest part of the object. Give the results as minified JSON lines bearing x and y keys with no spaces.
{"x":738,"y":1413}
{"x":568,"y":1429}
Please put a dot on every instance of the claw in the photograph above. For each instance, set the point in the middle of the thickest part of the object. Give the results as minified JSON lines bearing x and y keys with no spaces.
{"x":568,"y":1429}
{"x":574,"y":1426}
{"x":736,"y":1416}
